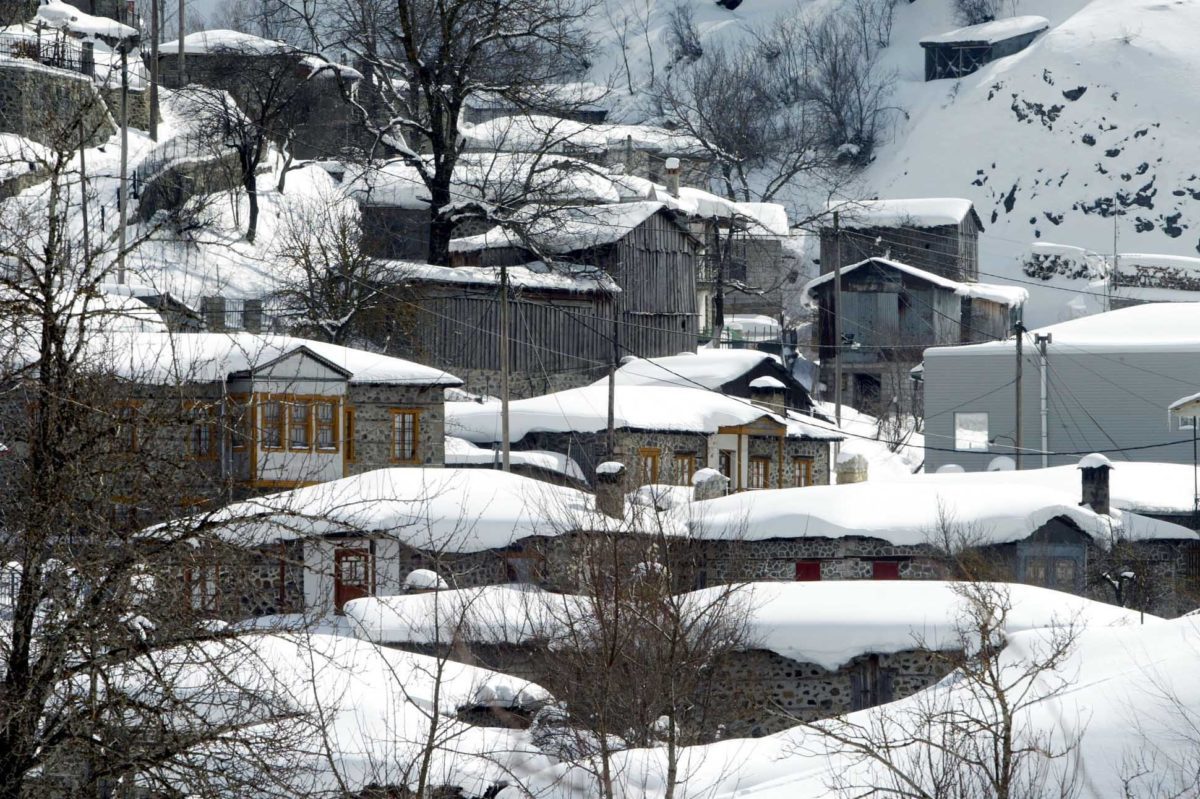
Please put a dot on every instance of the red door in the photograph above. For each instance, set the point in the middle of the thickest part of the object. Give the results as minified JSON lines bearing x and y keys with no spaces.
{"x":808,"y":570}
{"x":352,"y":575}
{"x":885,"y":570}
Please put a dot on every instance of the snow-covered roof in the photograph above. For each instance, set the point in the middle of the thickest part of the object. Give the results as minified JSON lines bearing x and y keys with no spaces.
{"x":1137,"y":486}
{"x":1185,"y":263}
{"x":211,"y":357}
{"x":225,"y":41}
{"x":913,"y":510}
{"x":460,"y":452}
{"x":1185,"y":406}
{"x":567,"y":229}
{"x":583,"y":410}
{"x":57,"y":14}
{"x":537,"y":276}
{"x":497,"y":178}
{"x":1005,"y":295}
{"x":526,"y":132}
{"x":768,"y":383}
{"x":825,"y":623}
{"x":920,"y":212}
{"x":708,"y":368}
{"x":434,"y":509}
{"x":1155,"y":327}
{"x":764,"y":218}
{"x":990,"y":32}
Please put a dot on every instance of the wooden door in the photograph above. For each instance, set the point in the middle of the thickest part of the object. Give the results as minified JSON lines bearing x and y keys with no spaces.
{"x":353,"y":575}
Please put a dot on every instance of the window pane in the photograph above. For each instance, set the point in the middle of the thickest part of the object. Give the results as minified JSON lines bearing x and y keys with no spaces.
{"x":404,"y":439}
{"x":971,"y":432}
{"x":299,"y":425}
{"x":271,"y":424}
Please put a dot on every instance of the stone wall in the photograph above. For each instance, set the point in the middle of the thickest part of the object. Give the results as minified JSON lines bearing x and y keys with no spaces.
{"x":48,"y":105}
{"x":271,"y":583}
{"x":372,"y":406}
{"x":850,"y":558}
{"x":171,"y":188}
{"x":522,"y":385}
{"x":14,"y":12}
{"x":759,"y":691}
{"x":139,"y":105}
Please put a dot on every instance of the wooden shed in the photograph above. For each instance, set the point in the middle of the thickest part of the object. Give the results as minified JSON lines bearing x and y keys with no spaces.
{"x":647,"y":250}
{"x":891,"y":312}
{"x":936,"y":234}
{"x":960,"y":52}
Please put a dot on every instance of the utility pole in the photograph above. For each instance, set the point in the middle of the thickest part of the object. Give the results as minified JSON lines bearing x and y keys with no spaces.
{"x":154,"y":69}
{"x":123,"y":186}
{"x":1042,"y":341}
{"x":182,"y":70}
{"x":612,"y":380}
{"x":1019,"y":330}
{"x":505,"y":443}
{"x":837,"y":319}
{"x":1116,"y":266}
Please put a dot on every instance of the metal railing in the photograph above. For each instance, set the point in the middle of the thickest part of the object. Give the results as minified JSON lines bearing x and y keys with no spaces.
{"x":52,"y":49}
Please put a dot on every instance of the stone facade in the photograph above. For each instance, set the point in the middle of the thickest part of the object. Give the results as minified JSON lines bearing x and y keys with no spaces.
{"x":760,"y":691}
{"x":850,"y":558}
{"x":522,"y":384}
{"x":49,"y":105}
{"x":589,"y":450}
{"x":373,"y":406}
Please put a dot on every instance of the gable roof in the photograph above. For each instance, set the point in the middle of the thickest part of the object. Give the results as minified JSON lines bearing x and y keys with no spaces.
{"x":710,"y":369}
{"x":1005,"y":295}
{"x":166,"y":358}
{"x":917,"y":212}
{"x":572,"y":228}
{"x":672,"y":409}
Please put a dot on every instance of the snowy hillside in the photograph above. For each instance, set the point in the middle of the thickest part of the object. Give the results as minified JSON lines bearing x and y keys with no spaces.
{"x":1093,"y":116}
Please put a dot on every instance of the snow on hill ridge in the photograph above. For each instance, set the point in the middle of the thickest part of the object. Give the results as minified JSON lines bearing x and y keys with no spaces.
{"x":1094,"y":116}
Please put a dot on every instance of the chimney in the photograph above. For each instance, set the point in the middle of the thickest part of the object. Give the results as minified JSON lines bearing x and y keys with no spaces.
{"x":709,"y":484}
{"x":1095,"y":469}
{"x":610,"y":489}
{"x":671,"y":170}
{"x":212,"y":310}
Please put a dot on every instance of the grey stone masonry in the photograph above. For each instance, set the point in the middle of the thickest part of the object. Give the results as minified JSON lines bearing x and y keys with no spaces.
{"x":51,"y":106}
{"x":373,"y":407}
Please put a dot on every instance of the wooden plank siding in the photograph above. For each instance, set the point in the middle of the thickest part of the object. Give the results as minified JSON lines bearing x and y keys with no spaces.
{"x":456,"y":327}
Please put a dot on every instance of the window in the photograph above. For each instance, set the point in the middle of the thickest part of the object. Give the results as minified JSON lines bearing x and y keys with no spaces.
{"x":349,"y":428}
{"x":405,"y":429}
{"x":126,"y":437}
{"x":885,"y":570}
{"x":685,"y":467}
{"x":203,"y":432}
{"x":1185,"y":422}
{"x":802,"y":469}
{"x":299,"y":431}
{"x":203,"y":587}
{"x":352,"y":575}
{"x":648,"y":457}
{"x":971,"y":432}
{"x":271,"y":424}
{"x":325,"y":417}
{"x":808,"y":570}
{"x":524,"y":567}
{"x":237,"y":422}
{"x":760,"y":472}
{"x":1065,"y":572}
{"x":726,"y":467}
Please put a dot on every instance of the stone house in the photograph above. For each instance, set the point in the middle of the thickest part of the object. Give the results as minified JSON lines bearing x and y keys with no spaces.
{"x":813,"y":650}
{"x":950,"y":526}
{"x":891,"y":312}
{"x":662,"y":435}
{"x":303,"y":95}
{"x":932,"y":234}
{"x":250,"y":414}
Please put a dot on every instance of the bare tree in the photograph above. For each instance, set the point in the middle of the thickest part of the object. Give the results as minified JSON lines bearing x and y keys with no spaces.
{"x":971,"y":736}
{"x":424,"y":59}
